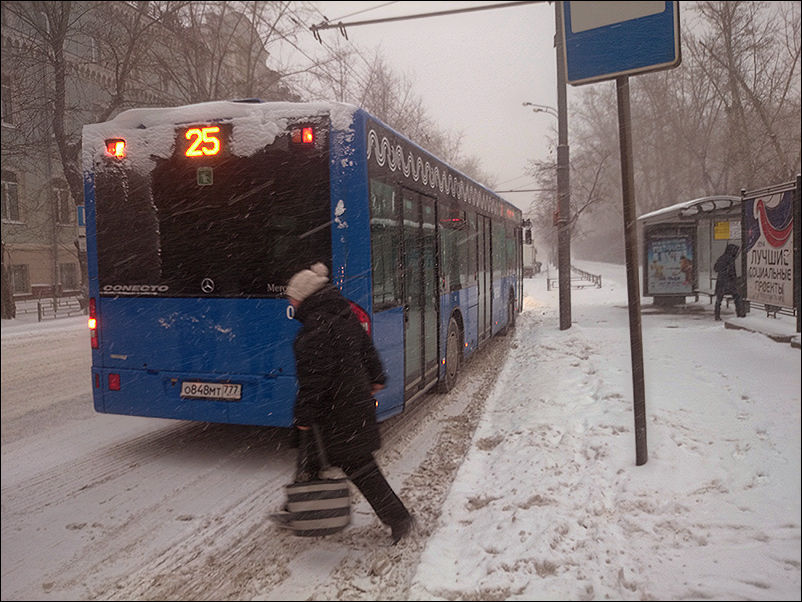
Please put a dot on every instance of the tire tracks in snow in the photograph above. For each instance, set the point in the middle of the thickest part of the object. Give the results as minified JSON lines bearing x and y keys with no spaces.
{"x":178,"y":510}
{"x":259,"y":561}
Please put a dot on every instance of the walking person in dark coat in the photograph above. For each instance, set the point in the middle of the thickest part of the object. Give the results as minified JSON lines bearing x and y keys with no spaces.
{"x":727,"y":280}
{"x":339,"y":371}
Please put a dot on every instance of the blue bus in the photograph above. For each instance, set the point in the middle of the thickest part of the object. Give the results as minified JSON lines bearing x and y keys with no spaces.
{"x":197,"y":217}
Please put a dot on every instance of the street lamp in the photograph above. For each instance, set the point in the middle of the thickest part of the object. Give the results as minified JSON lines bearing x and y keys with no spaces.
{"x":542,"y":109}
{"x":563,"y":181}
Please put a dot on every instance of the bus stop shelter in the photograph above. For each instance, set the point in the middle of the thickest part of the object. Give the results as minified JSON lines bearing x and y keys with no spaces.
{"x":682,"y":242}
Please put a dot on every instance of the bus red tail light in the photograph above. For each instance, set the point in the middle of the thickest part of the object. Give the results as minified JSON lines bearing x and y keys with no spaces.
{"x":114,"y":382}
{"x":304,"y":136}
{"x":93,"y":323}
{"x":363,"y":316}
{"x":115,"y":147}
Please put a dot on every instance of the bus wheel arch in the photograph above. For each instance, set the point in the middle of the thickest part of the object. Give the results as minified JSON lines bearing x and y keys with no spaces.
{"x":453,"y":356}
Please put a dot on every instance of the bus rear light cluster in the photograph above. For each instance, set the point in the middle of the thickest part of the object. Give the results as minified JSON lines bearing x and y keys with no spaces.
{"x":304,"y":135}
{"x":93,"y":323}
{"x":115,"y":147}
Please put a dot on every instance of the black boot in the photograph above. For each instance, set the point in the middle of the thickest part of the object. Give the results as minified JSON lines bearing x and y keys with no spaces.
{"x":400,"y":530}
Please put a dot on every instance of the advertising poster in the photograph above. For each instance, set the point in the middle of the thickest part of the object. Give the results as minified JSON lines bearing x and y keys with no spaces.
{"x":729,"y":230}
{"x":669,"y":263}
{"x":769,"y":248}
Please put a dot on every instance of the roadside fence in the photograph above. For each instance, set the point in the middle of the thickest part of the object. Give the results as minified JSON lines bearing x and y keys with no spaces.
{"x":51,"y":308}
{"x":581,"y":280}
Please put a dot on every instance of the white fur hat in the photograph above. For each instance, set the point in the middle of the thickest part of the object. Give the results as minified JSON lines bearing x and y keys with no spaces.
{"x":306,"y":282}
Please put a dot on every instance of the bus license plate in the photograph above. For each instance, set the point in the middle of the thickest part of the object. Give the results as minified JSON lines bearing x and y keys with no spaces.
{"x":201,"y":390}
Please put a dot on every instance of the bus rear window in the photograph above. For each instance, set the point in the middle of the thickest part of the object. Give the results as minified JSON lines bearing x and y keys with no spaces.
{"x":223,"y":227}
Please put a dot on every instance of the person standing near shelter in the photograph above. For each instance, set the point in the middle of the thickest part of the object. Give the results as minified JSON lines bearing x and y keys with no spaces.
{"x":686,"y":269}
{"x":727,"y":280}
{"x":339,"y":371}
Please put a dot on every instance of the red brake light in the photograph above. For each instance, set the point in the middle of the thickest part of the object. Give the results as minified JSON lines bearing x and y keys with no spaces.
{"x":363,"y":316}
{"x":116,"y":148}
{"x":304,"y":135}
{"x":93,"y":323}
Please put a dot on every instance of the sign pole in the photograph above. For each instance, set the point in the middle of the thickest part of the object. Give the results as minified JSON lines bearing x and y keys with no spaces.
{"x":797,"y":253}
{"x":563,"y":189}
{"x":613,"y":40}
{"x":633,"y":283}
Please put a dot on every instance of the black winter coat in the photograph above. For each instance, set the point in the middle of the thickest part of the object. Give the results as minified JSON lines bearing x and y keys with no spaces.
{"x":727,"y":278}
{"x":336,"y":364}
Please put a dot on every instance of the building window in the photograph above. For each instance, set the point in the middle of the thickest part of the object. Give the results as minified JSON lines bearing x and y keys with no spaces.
{"x":69,"y":277}
{"x":20,"y":279}
{"x":10,"y":191}
{"x":164,"y":83}
{"x":65,"y":214}
{"x":7,"y":104}
{"x":95,"y":50}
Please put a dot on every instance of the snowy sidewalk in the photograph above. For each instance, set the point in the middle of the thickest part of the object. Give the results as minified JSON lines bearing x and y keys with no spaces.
{"x":549,"y":504}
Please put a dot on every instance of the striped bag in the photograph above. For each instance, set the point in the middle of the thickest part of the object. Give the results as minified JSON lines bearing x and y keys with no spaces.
{"x":320,"y":506}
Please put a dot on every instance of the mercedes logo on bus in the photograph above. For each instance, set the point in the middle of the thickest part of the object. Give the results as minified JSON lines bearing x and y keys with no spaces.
{"x":207,"y":285}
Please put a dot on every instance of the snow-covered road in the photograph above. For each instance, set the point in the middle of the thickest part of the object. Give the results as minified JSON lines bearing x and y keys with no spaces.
{"x":116,"y":507}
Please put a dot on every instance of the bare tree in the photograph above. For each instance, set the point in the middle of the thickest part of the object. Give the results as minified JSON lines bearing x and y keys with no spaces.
{"x":65,"y":37}
{"x":370,"y":83}
{"x":728,"y":118}
{"x":220,"y":50}
{"x":75,"y":63}
{"x":751,"y":54}
{"x":83,"y":62}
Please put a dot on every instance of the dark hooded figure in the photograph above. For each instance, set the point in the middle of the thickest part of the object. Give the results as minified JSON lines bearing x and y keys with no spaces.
{"x":727,"y":280}
{"x":339,"y":371}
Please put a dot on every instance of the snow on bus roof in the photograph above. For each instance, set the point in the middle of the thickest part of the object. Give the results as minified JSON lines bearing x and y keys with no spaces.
{"x":150,"y":132}
{"x":230,"y":109}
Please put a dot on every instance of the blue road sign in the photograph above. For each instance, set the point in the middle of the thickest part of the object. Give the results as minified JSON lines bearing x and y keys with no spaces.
{"x":604,"y":40}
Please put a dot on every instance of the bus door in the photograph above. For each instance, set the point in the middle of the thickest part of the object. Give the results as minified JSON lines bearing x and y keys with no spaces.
{"x":420,"y":292}
{"x":484,"y":278}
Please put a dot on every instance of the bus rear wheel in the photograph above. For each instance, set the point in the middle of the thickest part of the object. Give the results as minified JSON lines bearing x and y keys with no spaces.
{"x":453,"y":355}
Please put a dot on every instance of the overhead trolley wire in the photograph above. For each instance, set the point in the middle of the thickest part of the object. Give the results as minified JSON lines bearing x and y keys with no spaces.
{"x":341,"y":26}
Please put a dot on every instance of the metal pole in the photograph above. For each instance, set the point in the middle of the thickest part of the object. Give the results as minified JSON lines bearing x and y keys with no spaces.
{"x":797,"y":253}
{"x":633,"y":277}
{"x":563,"y":183}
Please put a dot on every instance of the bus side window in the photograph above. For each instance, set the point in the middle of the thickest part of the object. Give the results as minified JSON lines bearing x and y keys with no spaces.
{"x":453,"y":249}
{"x":385,"y":237}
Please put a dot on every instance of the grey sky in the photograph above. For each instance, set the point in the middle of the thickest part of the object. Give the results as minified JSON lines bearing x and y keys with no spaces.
{"x":473,"y":71}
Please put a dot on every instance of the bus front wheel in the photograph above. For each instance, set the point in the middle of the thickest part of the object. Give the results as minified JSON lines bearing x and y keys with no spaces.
{"x":453,"y":353}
